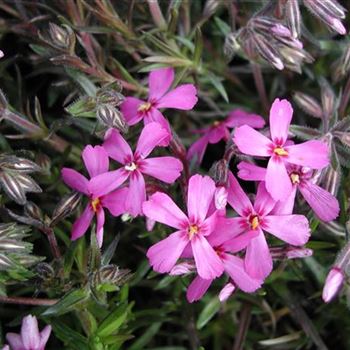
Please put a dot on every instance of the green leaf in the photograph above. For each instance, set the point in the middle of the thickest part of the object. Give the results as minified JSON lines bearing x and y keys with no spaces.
{"x":198,"y":47}
{"x":208,"y":312}
{"x":216,"y":82}
{"x":146,"y":337}
{"x":304,"y":132}
{"x":114,"y":320}
{"x":71,"y":338}
{"x":67,"y":303}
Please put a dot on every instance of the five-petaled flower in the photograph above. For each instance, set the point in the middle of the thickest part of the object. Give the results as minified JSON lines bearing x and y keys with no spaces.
{"x":135,"y":165}
{"x":182,"y":97}
{"x":293,"y":229}
{"x":312,"y":154}
{"x":219,"y":130}
{"x":323,"y":203}
{"x":192,"y":229}
{"x":96,"y":162}
{"x":30,"y":338}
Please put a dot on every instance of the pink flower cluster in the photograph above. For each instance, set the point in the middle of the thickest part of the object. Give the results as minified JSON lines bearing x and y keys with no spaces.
{"x":219,"y":231}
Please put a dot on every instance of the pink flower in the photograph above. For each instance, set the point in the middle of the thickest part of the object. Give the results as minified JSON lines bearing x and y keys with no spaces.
{"x":323,"y":203}
{"x":135,"y":165}
{"x":219,"y":130}
{"x":183,"y":97}
{"x":226,"y":243}
{"x":192,"y":230}
{"x":293,"y":229}
{"x":334,"y":282}
{"x":2,"y":54}
{"x":30,"y":338}
{"x":312,"y":154}
{"x":96,"y":162}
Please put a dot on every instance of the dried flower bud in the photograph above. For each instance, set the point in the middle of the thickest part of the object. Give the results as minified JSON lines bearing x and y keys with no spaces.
{"x":308,"y":104}
{"x":219,"y":172}
{"x":65,"y":207}
{"x":210,"y":8}
{"x":334,"y":282}
{"x":44,"y":162}
{"x":32,"y":210}
{"x":111,"y":97}
{"x":62,"y":36}
{"x":226,"y":292}
{"x":111,"y":117}
{"x":19,"y":164}
{"x":293,"y":17}
{"x":111,"y":274}
{"x":12,"y":187}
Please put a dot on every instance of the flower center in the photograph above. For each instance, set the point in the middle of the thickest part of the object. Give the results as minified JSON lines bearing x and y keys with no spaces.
{"x":144,"y":107}
{"x":216,"y":123}
{"x":130,"y":167}
{"x":295,"y":178}
{"x":280,"y":151}
{"x":192,"y":231}
{"x":254,"y":222}
{"x":95,"y":203}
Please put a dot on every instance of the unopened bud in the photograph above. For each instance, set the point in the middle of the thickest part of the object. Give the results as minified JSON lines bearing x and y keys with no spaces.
{"x":308,"y":104}
{"x":298,"y":253}
{"x":182,"y":269}
{"x":226,"y":292}
{"x":111,"y":117}
{"x":334,"y":282}
{"x":62,"y":36}
{"x":231,"y":45}
{"x":65,"y":207}
{"x":293,"y":17}
{"x":32,"y":210}
{"x":328,"y":98}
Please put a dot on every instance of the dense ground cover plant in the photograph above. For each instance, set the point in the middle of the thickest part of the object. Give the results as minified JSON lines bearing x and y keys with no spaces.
{"x":174,"y":175}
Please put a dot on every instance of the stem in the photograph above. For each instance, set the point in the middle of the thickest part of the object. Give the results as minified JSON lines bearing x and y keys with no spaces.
{"x":345,"y":99}
{"x":259,"y":83}
{"x":243,"y":326}
{"x":52,"y":241}
{"x":28,"y":301}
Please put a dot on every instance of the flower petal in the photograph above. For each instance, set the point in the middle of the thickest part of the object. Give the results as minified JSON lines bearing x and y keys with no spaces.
{"x":209,"y":265}
{"x":234,"y":266}
{"x":312,"y":154}
{"x":159,"y":82}
{"x":164,"y":254}
{"x":264,"y":203}
{"x":258,"y":260}
{"x":151,"y":136}
{"x":197,"y":149}
{"x":240,"y":242}
{"x":115,"y":201}
{"x":30,"y":332}
{"x":44,"y":336}
{"x":15,"y":341}
{"x":129,"y":108}
{"x":105,"y":183}
{"x":226,"y":291}
{"x":197,"y":289}
{"x":293,"y":229}
{"x":218,"y":133}
{"x":99,"y":227}
{"x":323,"y":203}
{"x":278,"y":183}
{"x":154,"y":115}
{"x":116,"y":147}
{"x":285,"y":207}
{"x":252,"y":142}
{"x":75,"y":180}
{"x":281,"y":114}
{"x":239,"y":117}
{"x":166,"y":169}
{"x":183,"y":97}
{"x":201,"y":191}
{"x":136,"y":195}
{"x":237,"y":197}
{"x":96,"y":160}
{"x":82,"y":223}
{"x":161,"y":208}
{"x":251,"y":172}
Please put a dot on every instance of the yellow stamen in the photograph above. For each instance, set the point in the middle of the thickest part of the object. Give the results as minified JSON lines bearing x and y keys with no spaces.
{"x":295,"y":178}
{"x":255,"y":222}
{"x":130,"y":167}
{"x":95,"y":203}
{"x":216,"y":123}
{"x":280,"y":151}
{"x":192,"y":230}
{"x":144,"y":107}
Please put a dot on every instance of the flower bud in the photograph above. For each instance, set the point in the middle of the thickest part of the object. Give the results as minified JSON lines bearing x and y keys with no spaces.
{"x":219,"y":172}
{"x":297,"y":252}
{"x":293,"y":17}
{"x":334,"y":282}
{"x":226,"y":292}
{"x":62,"y":36}
{"x":308,"y":104}
{"x":32,"y":210}
{"x":65,"y":207}
{"x":111,"y":117}
{"x":182,"y":269}
{"x":220,"y":197}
